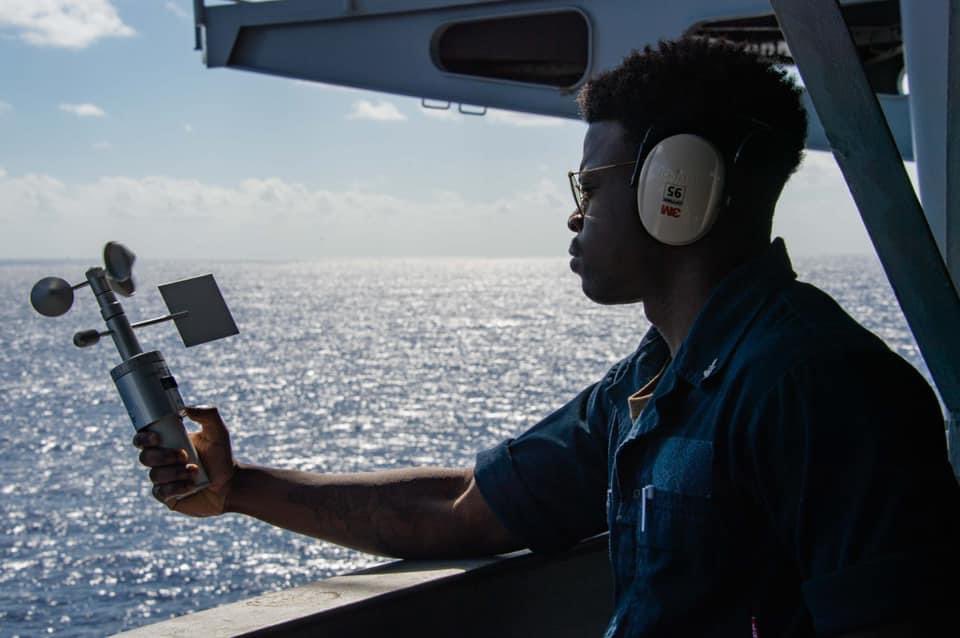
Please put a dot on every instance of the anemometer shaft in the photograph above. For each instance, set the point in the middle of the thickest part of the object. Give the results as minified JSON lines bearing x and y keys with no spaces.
{"x":113,"y":315}
{"x":146,"y":387}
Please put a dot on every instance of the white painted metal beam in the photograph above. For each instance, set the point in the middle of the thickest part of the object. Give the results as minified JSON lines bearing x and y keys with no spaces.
{"x":386,"y":45}
{"x":930,"y":30}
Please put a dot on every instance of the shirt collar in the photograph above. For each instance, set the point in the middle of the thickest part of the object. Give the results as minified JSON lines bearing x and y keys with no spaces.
{"x":639,"y":399}
{"x":728,"y":312}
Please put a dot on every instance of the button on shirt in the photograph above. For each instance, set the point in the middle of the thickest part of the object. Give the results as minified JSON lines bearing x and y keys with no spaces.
{"x":787,"y":476}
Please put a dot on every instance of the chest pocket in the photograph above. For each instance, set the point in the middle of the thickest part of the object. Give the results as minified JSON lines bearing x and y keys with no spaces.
{"x":676,"y":508}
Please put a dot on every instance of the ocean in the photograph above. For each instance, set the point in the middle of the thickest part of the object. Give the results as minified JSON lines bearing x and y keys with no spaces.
{"x":340,"y":366}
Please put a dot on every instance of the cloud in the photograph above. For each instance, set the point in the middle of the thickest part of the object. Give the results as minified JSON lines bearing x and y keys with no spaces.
{"x":41,"y":196}
{"x":382,"y":111}
{"x":102,"y":146}
{"x":177,"y":10}
{"x":816,"y":213}
{"x":188,"y":128}
{"x":447,"y":115}
{"x":157,"y":197}
{"x":270,"y":218}
{"x":5,"y":107}
{"x":322,"y":86}
{"x":83,"y":110}
{"x":546,"y":194}
{"x":512,"y":118}
{"x":252,"y":199}
{"x":71,"y":24}
{"x":3,"y":172}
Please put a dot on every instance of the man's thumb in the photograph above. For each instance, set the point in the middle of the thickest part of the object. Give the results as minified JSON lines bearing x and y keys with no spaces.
{"x":208,"y":417}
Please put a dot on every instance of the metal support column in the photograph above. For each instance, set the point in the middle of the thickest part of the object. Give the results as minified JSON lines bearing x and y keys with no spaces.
{"x":932,"y":50}
{"x":932,"y":54}
{"x":864,"y":148}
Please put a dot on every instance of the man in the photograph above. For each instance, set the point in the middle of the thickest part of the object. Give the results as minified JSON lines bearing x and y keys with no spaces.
{"x":764,"y":465}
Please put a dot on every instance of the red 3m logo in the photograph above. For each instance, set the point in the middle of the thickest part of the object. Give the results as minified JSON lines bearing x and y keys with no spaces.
{"x":669,"y":211}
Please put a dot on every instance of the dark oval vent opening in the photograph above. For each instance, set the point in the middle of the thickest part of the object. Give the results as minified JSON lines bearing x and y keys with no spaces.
{"x":542,"y":48}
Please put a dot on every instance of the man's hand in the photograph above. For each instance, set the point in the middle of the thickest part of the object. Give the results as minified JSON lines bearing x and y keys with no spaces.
{"x":172,"y":475}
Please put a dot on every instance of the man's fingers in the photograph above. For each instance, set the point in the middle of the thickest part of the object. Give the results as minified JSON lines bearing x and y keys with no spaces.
{"x":209,"y":418}
{"x":145,"y":438}
{"x":172,"y":473}
{"x":168,"y":490}
{"x":157,"y":456}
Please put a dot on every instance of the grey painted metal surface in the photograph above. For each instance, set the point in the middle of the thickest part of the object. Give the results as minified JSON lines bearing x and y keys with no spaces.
{"x":520,"y":595}
{"x":864,"y":149}
{"x":386,"y":45}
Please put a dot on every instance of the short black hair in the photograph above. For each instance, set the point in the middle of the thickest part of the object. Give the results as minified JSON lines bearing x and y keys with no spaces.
{"x":712,"y":88}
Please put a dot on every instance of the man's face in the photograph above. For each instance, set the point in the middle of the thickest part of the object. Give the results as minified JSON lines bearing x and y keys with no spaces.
{"x":613,"y":254}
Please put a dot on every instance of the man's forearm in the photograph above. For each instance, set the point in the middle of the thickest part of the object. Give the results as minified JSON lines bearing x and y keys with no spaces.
{"x":410,"y":513}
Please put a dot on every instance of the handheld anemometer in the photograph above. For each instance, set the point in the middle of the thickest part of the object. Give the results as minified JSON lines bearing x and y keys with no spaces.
{"x":146,"y":386}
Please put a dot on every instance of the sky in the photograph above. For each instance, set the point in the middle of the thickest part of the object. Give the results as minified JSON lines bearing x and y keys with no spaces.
{"x":111,"y":128}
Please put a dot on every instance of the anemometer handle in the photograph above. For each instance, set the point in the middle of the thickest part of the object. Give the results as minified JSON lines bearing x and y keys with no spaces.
{"x":174,"y":436}
{"x":153,"y":401}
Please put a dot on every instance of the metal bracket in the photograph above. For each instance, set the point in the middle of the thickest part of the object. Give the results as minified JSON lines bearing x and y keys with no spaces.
{"x":199,"y":19}
{"x":436,"y":105}
{"x":466,"y":109}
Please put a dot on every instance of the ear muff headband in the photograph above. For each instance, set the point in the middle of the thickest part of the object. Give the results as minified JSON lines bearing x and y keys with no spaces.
{"x":680,"y":187}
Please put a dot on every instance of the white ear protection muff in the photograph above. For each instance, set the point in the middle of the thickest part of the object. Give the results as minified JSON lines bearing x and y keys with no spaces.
{"x":680,"y":188}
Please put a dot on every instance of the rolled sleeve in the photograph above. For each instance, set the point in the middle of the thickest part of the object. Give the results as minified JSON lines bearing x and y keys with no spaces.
{"x":548,"y":486}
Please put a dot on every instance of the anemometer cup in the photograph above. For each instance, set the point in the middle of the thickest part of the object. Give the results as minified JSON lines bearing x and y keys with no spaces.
{"x":124,"y":288}
{"x":118,"y":262}
{"x":51,"y":296}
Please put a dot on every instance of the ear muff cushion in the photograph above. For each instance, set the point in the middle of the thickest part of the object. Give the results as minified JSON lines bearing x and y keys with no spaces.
{"x":680,"y":189}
